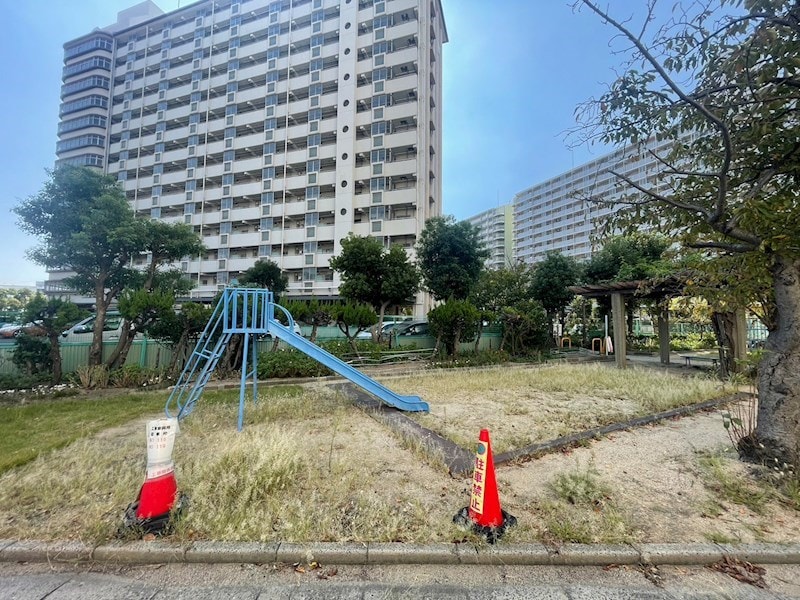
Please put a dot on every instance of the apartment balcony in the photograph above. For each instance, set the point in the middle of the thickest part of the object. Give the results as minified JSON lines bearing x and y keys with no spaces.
{"x":243,"y":239}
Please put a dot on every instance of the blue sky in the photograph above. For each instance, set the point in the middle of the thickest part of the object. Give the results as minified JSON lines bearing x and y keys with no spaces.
{"x":512,"y":79}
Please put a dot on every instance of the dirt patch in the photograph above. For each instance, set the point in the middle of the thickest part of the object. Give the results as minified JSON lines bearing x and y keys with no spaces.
{"x":657,"y":483}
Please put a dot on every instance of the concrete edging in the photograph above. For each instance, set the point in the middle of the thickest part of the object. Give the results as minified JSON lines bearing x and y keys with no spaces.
{"x":389,"y":553}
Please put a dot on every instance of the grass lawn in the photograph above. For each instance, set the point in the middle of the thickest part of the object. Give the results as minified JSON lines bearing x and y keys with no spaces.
{"x":308,"y":466}
{"x":522,"y":406}
{"x":28,"y":430}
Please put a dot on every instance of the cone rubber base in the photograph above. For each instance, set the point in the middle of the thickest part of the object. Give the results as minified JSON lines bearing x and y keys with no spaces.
{"x":492,"y":534}
{"x":157,"y":524}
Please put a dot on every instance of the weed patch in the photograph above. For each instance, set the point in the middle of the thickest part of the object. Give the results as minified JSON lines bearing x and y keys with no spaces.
{"x":522,"y":406}
{"x":583,"y":511}
{"x":734,"y":488}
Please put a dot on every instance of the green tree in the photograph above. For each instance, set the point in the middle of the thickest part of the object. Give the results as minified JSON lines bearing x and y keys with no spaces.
{"x":550,"y":284}
{"x":150,"y":293}
{"x":525,"y":327}
{"x":84,"y":225}
{"x":266,"y":274}
{"x":723,"y":84}
{"x":352,"y":319}
{"x":453,"y":321}
{"x":181,"y":329}
{"x":450,"y":256}
{"x":374,"y":275}
{"x":631,"y":257}
{"x":313,"y":313}
{"x":55,"y":315}
{"x":14,"y":300}
{"x":497,"y":289}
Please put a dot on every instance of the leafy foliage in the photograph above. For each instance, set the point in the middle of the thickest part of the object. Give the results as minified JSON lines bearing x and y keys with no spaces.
{"x":32,"y":355}
{"x":631,"y":257}
{"x":54,"y":315}
{"x":375,"y":276}
{"x":498,"y":288}
{"x":551,"y":280}
{"x":265,"y":274}
{"x":525,"y":327}
{"x":454,"y":321}
{"x":729,"y":180}
{"x":85,"y":225}
{"x":312,"y":312}
{"x":450,"y":257}
{"x":352,"y":319}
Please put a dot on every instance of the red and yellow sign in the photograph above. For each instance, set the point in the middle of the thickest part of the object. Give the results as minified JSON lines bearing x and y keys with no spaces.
{"x":479,"y":479}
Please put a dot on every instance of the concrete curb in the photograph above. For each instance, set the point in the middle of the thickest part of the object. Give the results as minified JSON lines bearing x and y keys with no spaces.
{"x":380,"y":553}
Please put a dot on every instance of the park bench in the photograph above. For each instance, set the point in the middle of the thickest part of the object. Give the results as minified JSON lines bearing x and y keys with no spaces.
{"x":701,"y":359}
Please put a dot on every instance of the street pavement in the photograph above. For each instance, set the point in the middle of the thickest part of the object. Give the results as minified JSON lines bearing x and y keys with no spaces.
{"x":40,"y":581}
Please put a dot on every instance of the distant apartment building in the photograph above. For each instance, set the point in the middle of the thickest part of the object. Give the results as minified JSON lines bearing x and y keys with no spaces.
{"x":554,"y":216}
{"x":273,"y":128}
{"x":496,"y":228}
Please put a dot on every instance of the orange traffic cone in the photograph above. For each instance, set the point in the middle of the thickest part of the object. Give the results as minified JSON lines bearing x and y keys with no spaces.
{"x":159,"y":493}
{"x":484,"y":514}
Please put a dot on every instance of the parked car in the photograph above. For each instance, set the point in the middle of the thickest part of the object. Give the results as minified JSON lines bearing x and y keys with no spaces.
{"x":15,"y":330}
{"x":84,"y":330}
{"x":412,"y":328}
{"x":10,"y":330}
{"x":386,"y":331}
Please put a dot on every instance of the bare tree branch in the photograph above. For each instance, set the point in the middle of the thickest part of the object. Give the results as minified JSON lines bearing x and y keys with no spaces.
{"x":660,"y":197}
{"x":728,"y":247}
{"x":722,"y":190}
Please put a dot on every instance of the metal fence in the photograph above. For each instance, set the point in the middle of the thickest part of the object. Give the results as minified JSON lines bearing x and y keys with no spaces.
{"x":153,"y":354}
{"x":143,"y":353}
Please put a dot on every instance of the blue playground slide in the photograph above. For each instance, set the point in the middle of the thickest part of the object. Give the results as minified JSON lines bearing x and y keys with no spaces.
{"x":251,"y":312}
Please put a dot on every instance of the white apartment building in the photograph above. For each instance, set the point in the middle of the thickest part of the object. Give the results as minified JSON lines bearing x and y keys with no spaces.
{"x":273,"y":128}
{"x":554,"y":216}
{"x":496,"y":229}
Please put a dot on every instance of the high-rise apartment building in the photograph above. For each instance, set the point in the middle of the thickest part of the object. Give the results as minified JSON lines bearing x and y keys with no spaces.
{"x":555,"y":215}
{"x":496,"y":233}
{"x":273,"y":128}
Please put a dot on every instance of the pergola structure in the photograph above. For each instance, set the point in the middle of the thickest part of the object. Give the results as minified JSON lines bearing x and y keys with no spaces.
{"x":648,"y":288}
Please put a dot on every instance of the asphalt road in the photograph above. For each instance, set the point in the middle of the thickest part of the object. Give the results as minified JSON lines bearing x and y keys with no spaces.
{"x":23,"y":581}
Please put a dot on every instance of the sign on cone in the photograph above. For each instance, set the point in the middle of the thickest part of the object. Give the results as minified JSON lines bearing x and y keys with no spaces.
{"x":160,"y":488}
{"x":484,"y":505}
{"x":484,"y":514}
{"x":159,"y":493}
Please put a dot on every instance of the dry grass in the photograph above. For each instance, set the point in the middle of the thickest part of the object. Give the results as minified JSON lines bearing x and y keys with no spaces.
{"x":307,"y":467}
{"x":522,"y":406}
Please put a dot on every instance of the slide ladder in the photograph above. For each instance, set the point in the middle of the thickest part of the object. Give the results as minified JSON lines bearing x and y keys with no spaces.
{"x":251,"y":312}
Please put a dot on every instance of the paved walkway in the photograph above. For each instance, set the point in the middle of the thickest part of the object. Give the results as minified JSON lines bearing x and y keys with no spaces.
{"x":40,"y":581}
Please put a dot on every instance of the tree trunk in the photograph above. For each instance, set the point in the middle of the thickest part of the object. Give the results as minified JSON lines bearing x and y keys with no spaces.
{"x":178,"y":351}
{"x":55,"y":356}
{"x":778,"y":426}
{"x":376,"y":332}
{"x":480,"y":333}
{"x":456,"y":340}
{"x":120,"y":353}
{"x":722,"y":322}
{"x":96,"y":349}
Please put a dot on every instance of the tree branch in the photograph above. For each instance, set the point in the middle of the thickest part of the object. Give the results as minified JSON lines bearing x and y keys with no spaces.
{"x":728,"y":247}
{"x":660,"y":197}
{"x":722,"y":190}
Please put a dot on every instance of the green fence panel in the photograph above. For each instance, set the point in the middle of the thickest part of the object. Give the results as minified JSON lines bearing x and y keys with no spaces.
{"x":144,"y":353}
